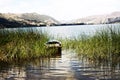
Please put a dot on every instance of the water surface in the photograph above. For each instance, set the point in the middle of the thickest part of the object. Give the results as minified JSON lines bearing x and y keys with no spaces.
{"x":75,"y":31}
{"x":68,"y":66}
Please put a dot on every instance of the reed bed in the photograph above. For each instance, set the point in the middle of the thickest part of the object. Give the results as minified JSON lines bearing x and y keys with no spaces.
{"x":104,"y":46}
{"x":22,"y":44}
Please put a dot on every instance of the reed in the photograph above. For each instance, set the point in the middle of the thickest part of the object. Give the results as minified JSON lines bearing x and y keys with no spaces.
{"x":103,"y":46}
{"x":22,"y":44}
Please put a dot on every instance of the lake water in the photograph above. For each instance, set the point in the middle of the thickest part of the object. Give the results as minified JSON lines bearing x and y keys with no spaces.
{"x":68,"y":66}
{"x":70,"y":31}
{"x":75,"y":31}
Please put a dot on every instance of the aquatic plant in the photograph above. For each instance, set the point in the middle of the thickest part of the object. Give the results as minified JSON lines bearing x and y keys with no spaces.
{"x":104,"y":46}
{"x":22,"y":44}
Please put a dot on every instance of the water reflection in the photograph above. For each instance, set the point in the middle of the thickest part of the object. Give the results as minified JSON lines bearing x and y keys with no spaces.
{"x":67,"y":67}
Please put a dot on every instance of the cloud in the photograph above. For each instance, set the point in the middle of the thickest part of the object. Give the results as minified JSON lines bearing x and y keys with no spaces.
{"x":69,"y":9}
{"x":61,"y":9}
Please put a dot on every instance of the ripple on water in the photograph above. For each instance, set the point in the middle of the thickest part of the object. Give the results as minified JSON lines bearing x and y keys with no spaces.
{"x":68,"y":67}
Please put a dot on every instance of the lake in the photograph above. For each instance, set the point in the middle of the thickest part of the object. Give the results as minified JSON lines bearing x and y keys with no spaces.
{"x":74,"y":31}
{"x":70,"y":31}
{"x":68,"y":66}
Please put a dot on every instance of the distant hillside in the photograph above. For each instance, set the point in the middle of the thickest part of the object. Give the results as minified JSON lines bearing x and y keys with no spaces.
{"x":99,"y":19}
{"x":26,"y":19}
{"x":34,"y":19}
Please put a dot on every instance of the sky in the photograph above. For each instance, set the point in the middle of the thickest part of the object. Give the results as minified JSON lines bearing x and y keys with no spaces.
{"x":61,"y":9}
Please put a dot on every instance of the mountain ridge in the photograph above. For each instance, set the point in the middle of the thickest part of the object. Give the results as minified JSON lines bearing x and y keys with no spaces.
{"x":113,"y":17}
{"x":25,"y":20}
{"x":11,"y":20}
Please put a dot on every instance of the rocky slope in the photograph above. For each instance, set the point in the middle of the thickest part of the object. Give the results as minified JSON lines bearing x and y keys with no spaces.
{"x":100,"y":19}
{"x":26,"y":19}
{"x":34,"y":19}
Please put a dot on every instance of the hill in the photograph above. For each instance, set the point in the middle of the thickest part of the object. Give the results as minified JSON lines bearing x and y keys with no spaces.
{"x":99,"y":19}
{"x":25,"y":20}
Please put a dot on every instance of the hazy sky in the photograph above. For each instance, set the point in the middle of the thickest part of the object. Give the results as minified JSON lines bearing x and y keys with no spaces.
{"x":61,"y":9}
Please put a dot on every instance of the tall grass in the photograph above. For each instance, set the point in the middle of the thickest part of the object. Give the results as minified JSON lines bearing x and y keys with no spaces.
{"x":103,"y":46}
{"x":22,"y":44}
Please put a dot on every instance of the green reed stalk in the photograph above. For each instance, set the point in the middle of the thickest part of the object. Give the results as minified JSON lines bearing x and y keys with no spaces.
{"x":22,"y":44}
{"x":103,"y":46}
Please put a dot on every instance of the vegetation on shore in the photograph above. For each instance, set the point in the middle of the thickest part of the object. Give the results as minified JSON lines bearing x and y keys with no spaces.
{"x":104,"y":46}
{"x":25,"y":44}
{"x":22,"y":44}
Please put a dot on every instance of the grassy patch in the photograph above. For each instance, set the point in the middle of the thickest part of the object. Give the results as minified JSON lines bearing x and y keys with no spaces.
{"x":103,"y":46}
{"x":22,"y":44}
